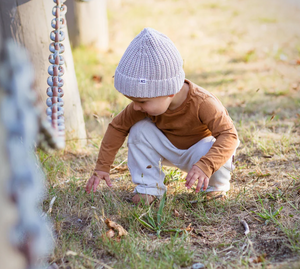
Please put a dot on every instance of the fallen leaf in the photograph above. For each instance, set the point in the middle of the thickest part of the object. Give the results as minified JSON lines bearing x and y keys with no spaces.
{"x":110,"y":233}
{"x":112,"y":225}
{"x":149,"y":166}
{"x":258,"y":259}
{"x":97,"y":78}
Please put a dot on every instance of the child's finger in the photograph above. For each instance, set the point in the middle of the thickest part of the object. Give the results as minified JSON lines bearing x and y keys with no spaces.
{"x":189,"y":177}
{"x":96,"y":183}
{"x":107,"y":180}
{"x":205,"y":184}
{"x":192,"y":181}
{"x":89,"y":185}
{"x":200,"y":182}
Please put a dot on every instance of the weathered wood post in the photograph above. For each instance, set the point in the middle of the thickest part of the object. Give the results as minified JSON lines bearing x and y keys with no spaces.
{"x":87,"y":23}
{"x":29,"y":24}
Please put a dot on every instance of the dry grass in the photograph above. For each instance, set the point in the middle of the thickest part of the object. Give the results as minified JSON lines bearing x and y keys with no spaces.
{"x":246,"y":53}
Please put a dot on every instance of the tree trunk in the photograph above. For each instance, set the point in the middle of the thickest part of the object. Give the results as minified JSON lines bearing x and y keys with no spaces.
{"x":87,"y":23}
{"x":28,"y":22}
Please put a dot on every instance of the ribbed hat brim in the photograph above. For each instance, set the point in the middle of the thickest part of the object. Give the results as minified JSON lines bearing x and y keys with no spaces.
{"x":153,"y":88}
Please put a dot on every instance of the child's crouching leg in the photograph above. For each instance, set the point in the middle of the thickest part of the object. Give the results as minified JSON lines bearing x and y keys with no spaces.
{"x":220,"y":180}
{"x":144,"y":162}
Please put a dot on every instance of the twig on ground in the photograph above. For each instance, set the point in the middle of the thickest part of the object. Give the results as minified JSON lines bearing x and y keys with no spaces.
{"x":246,"y":227}
{"x":206,"y":200}
{"x":44,"y":214}
{"x":283,"y":193}
{"x":251,"y":214}
{"x":50,"y":156}
{"x":51,"y":205}
{"x":116,"y":167}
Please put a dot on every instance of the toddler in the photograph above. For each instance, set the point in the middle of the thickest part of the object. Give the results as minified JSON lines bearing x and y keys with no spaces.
{"x":170,"y":121}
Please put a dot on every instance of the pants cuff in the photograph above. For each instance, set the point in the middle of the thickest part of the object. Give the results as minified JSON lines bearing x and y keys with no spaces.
{"x":151,"y":191}
{"x":212,"y":188}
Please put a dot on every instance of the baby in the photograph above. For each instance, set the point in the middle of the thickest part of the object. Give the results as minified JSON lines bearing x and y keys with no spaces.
{"x":170,"y":121}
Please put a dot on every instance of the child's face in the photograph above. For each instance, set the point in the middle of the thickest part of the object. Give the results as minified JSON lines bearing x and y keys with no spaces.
{"x":153,"y":106}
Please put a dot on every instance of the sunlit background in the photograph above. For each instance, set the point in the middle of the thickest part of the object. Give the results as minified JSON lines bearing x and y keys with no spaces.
{"x":245,"y":52}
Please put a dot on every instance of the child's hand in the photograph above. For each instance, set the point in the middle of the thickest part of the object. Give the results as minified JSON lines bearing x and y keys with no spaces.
{"x":196,"y":174}
{"x":95,"y":180}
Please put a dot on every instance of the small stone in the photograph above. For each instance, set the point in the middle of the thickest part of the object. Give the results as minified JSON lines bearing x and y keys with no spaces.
{"x":198,"y":265}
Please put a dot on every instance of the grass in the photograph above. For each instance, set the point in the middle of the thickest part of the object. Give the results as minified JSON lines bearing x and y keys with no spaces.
{"x":238,"y":59}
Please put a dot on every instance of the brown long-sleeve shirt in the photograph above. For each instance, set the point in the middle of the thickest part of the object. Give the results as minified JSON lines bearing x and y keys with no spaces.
{"x":199,"y":116}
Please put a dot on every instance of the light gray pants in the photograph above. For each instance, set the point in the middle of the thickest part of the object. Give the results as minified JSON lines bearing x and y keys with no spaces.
{"x":149,"y":148}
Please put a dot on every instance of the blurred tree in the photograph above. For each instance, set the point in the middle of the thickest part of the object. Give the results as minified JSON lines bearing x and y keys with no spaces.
{"x":28,"y":22}
{"x":10,"y":258}
{"x":25,"y":238}
{"x":87,"y":23}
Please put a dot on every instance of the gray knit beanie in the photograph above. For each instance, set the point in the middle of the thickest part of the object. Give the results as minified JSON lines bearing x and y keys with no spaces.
{"x":150,"y":67}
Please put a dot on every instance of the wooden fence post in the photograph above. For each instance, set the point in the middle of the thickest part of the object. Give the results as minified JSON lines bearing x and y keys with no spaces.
{"x":29,"y":24}
{"x":88,"y":23}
